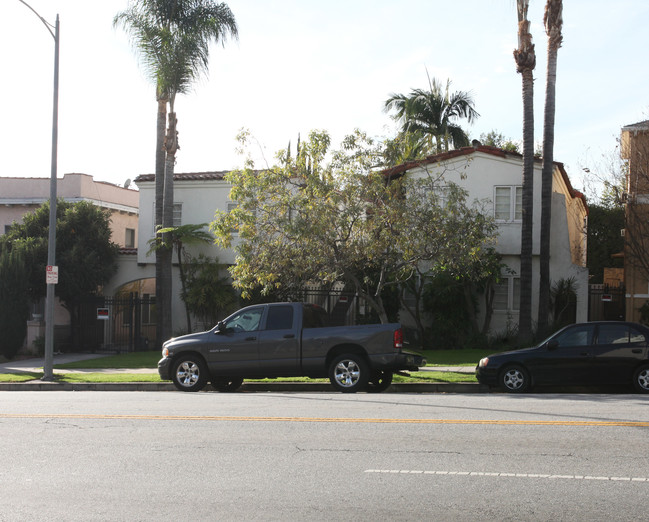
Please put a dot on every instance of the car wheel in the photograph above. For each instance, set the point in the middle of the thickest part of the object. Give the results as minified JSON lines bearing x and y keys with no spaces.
{"x":227,"y":384}
{"x":349,"y":373}
{"x":380,"y":381}
{"x":189,"y":373}
{"x":514,"y":379}
{"x":641,"y":379}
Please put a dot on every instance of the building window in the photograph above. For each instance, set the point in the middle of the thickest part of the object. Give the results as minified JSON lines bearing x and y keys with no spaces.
{"x":130,"y":238}
{"x":507,"y":296}
{"x":176,"y":217}
{"x":508,"y":203}
{"x":178,"y":214}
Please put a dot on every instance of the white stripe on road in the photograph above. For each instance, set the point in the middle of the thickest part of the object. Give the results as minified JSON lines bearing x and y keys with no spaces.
{"x":498,"y":474}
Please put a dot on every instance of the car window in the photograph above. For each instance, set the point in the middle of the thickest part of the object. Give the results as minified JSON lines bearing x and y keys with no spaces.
{"x":245,"y":321}
{"x":619,"y":334}
{"x":581,"y":335}
{"x":280,"y":318}
{"x":613,"y":334}
{"x":314,"y":317}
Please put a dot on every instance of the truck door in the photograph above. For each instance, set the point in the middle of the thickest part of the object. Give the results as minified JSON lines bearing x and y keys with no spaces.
{"x":234,"y":350}
{"x":279,"y":343}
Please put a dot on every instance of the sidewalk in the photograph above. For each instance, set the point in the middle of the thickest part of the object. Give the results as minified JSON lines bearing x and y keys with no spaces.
{"x":35,"y":365}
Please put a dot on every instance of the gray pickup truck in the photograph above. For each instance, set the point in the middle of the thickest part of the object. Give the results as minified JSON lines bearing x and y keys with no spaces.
{"x":287,"y":340}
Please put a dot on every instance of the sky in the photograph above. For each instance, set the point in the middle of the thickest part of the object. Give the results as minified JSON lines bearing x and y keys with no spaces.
{"x":301,"y":65}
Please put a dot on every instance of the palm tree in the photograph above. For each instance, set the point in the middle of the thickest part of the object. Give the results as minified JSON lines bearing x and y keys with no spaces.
{"x":178,"y":238}
{"x":433,"y":113}
{"x":173,"y":38}
{"x":553,"y":22}
{"x":525,"y":58}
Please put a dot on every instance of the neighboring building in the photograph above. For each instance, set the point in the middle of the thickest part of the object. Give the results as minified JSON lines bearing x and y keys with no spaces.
{"x":495,"y":176}
{"x":635,"y":150}
{"x":18,"y":196}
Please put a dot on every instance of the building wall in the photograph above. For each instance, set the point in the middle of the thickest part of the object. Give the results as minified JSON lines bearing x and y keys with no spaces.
{"x":635,"y":150}
{"x":480,"y":173}
{"x":19,"y":196}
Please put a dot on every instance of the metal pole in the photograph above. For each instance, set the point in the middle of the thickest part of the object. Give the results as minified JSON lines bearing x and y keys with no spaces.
{"x":48,"y":371}
{"x":48,"y":365}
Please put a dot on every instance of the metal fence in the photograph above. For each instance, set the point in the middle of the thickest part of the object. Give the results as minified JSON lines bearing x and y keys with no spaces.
{"x":606,"y":303}
{"x":113,"y":324}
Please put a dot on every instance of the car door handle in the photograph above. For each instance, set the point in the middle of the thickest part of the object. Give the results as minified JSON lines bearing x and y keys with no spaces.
{"x":636,"y":350}
{"x":251,"y":338}
{"x":584,"y":354}
{"x":289,"y":336}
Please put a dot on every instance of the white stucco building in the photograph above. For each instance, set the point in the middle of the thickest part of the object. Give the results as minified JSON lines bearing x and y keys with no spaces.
{"x":487,"y":173}
{"x":494,"y":176}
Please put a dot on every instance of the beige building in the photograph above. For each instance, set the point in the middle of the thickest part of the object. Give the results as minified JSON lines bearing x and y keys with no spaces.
{"x":19,"y":196}
{"x":635,"y":151}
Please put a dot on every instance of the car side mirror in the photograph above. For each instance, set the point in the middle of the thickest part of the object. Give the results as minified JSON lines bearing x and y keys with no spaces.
{"x":552,"y":345}
{"x":220,"y":327}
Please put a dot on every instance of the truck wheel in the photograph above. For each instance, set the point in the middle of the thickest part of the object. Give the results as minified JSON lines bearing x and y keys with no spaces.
{"x":227,"y":384}
{"x":380,"y":381}
{"x":189,"y":373}
{"x":349,"y":373}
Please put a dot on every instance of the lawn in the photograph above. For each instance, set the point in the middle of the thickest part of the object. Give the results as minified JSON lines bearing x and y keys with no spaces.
{"x":150,"y":360}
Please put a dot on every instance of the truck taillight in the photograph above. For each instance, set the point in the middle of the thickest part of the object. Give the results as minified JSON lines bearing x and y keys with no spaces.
{"x":398,"y":339}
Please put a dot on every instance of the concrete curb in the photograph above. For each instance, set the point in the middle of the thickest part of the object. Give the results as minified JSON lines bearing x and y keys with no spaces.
{"x":247,"y":387}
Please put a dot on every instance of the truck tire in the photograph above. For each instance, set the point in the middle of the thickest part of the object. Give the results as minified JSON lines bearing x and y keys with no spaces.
{"x":349,"y":373}
{"x":380,"y":381}
{"x":189,"y":373}
{"x":227,"y":384}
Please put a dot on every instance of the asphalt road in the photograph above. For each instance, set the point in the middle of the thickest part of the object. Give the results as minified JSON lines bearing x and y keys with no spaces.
{"x":323,"y":456}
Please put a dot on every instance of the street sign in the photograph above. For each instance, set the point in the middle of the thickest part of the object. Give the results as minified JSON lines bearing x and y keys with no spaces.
{"x":52,"y":275}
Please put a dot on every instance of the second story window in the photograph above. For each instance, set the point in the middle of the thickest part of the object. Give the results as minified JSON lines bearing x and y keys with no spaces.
{"x":508,"y":203}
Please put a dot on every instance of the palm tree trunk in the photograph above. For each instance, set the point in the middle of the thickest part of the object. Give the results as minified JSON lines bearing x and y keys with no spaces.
{"x":162,"y":334}
{"x":525,"y":58}
{"x":553,"y":24}
{"x":170,"y":147}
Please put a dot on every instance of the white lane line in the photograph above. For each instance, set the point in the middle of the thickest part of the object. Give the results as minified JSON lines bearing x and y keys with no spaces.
{"x":515,"y":475}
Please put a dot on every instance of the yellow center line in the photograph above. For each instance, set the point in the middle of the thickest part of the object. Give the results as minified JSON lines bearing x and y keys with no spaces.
{"x":634,"y":424}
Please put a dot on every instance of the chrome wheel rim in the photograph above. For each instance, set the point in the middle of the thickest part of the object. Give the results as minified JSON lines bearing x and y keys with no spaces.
{"x":643,"y":379}
{"x":347,"y":373}
{"x":513,"y":379}
{"x":188,"y":374}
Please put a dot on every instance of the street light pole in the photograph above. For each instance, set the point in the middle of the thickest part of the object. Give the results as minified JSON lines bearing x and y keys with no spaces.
{"x":48,"y":366}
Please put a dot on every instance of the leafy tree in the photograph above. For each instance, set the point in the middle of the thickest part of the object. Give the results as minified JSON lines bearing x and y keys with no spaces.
{"x":178,"y":238}
{"x":553,"y":22}
{"x":497,"y":139}
{"x":85,"y":254}
{"x":173,"y":37}
{"x":14,"y":301}
{"x":209,"y":295}
{"x":525,"y":58}
{"x":431,"y":114}
{"x":311,"y":221}
{"x":604,"y":240}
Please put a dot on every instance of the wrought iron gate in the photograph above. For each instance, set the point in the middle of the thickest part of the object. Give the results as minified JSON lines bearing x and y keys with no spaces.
{"x":114,"y":324}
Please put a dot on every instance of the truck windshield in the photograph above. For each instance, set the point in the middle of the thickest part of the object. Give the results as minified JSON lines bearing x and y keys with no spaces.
{"x":245,"y":321}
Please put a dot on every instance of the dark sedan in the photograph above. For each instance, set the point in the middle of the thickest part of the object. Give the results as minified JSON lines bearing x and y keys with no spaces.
{"x":597,"y":353}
